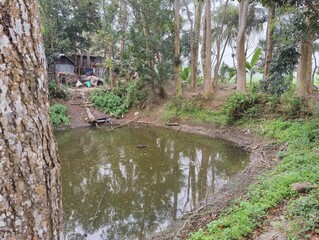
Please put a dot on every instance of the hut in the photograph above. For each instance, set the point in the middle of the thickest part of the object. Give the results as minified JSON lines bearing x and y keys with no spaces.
{"x":60,"y":64}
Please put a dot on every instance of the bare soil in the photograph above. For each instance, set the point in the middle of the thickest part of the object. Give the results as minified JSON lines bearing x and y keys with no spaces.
{"x":263,"y":155}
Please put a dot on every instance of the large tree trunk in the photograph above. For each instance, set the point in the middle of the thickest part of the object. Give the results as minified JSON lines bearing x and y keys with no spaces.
{"x":304,"y":69}
{"x":241,"y":58}
{"x":198,"y":16}
{"x":208,"y":84}
{"x":30,"y":187}
{"x":177,"y":51}
{"x":270,"y":35}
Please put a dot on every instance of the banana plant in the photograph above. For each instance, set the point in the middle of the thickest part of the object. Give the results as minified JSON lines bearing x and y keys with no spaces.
{"x":250,"y":66}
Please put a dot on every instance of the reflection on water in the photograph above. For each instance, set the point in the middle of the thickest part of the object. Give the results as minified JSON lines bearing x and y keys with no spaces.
{"x":138,"y":191}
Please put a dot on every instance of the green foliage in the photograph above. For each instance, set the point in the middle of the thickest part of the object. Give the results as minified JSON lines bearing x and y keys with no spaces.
{"x":59,"y":115}
{"x":185,"y":74}
{"x":192,"y":111}
{"x":303,"y":213}
{"x":226,"y":73}
{"x":250,"y":65}
{"x":109,"y":102}
{"x":186,"y":105}
{"x":257,"y":105}
{"x":56,"y":91}
{"x":291,"y":105}
{"x":281,"y":69}
{"x":121,"y":99}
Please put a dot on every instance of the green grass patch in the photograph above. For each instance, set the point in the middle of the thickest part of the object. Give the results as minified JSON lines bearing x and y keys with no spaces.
{"x":59,"y":115}
{"x":192,"y":111}
{"x":298,"y":164}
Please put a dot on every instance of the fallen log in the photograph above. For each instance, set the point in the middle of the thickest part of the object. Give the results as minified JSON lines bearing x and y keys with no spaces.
{"x":91,"y":117}
{"x":174,"y":124}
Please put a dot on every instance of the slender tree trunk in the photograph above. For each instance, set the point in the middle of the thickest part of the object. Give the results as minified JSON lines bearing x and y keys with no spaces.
{"x":219,"y":61}
{"x":147,"y":36}
{"x":123,"y":25}
{"x":241,"y":58}
{"x":30,"y":187}
{"x":198,"y":16}
{"x":309,"y":64}
{"x":304,"y":69}
{"x":208,"y":84}
{"x":191,"y":31}
{"x":315,"y":67}
{"x":88,"y":58}
{"x":80,"y":63}
{"x":111,"y":70}
{"x":270,"y":35}
{"x":177,"y":51}
{"x":220,"y":52}
{"x":203,"y":50}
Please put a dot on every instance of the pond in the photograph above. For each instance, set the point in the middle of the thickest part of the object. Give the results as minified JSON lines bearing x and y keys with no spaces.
{"x":132,"y":182}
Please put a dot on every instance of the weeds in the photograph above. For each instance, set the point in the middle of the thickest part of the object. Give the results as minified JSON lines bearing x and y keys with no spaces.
{"x":59,"y":115}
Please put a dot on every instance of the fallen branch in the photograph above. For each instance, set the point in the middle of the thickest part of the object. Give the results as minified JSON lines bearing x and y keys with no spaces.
{"x":196,"y":213}
{"x":126,"y":123}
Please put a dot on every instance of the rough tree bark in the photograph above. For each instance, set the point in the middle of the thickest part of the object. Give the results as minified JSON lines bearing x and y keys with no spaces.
{"x":198,"y":16}
{"x":241,"y":58}
{"x":177,"y":64}
{"x":208,"y":84}
{"x":270,"y":35}
{"x":30,"y":187}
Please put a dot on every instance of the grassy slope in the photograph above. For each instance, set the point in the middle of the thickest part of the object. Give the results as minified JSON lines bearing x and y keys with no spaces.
{"x":298,"y":164}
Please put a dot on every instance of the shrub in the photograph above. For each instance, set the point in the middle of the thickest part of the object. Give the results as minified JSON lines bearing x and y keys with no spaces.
{"x":291,"y":105}
{"x":108,"y":102}
{"x":56,"y":91}
{"x":240,"y":104}
{"x":59,"y":115}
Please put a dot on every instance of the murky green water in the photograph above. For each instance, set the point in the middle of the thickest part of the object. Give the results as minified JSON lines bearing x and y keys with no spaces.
{"x":114,"y":190}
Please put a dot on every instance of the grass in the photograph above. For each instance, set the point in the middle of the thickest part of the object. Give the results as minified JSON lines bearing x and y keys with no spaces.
{"x":191,"y":110}
{"x":299,"y":163}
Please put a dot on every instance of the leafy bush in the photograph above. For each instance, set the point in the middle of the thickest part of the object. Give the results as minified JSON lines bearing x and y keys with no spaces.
{"x":257,"y":105}
{"x":281,"y":69}
{"x":240,"y":104}
{"x":121,"y":99}
{"x":108,"y":102}
{"x":56,"y":91}
{"x":59,"y":115}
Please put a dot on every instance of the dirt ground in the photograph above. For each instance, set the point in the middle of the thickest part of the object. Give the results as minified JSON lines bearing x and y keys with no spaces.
{"x":263,"y":154}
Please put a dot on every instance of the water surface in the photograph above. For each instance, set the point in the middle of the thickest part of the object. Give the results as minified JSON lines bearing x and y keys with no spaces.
{"x":112,"y":189}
